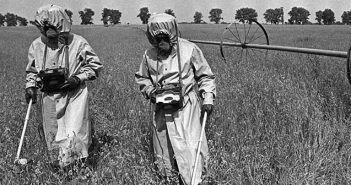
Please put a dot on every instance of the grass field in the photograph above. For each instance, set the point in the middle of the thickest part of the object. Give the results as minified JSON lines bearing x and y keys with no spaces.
{"x":279,"y":119}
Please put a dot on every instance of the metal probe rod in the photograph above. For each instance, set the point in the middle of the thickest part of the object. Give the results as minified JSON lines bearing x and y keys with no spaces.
{"x":331,"y":53}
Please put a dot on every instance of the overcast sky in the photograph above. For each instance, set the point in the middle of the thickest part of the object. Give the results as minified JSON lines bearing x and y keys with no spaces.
{"x":183,"y":9}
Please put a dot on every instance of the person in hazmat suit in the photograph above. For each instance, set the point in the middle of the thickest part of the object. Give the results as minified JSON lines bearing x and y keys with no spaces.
{"x":59,"y":64}
{"x":177,"y":79}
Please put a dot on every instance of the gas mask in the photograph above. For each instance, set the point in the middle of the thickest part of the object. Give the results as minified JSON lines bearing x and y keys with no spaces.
{"x":163,"y":43}
{"x":54,"y":36}
{"x":51,"y":32}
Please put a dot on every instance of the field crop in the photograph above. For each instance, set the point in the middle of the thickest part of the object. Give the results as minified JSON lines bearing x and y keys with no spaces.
{"x":279,"y":119}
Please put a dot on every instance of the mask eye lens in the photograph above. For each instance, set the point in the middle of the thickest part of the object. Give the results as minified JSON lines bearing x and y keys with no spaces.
{"x":47,"y":27}
{"x":161,"y":37}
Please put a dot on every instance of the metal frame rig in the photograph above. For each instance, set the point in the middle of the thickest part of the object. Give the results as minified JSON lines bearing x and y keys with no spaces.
{"x":256,"y":37}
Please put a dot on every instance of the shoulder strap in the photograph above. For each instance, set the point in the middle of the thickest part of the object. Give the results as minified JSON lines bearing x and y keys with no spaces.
{"x":66,"y":57}
{"x":44,"y":57}
{"x":179,"y":62}
{"x":157,"y":66}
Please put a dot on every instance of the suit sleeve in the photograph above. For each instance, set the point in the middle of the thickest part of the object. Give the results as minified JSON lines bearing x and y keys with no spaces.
{"x":204,"y":76}
{"x":31,"y":70}
{"x":143,"y":79}
{"x":91,"y":64}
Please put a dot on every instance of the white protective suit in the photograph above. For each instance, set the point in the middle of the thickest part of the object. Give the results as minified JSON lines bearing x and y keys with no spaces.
{"x":176,"y":132}
{"x":65,"y":114}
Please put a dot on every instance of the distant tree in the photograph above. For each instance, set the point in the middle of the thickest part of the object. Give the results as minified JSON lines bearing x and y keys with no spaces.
{"x":11,"y":19}
{"x":282,"y":13}
{"x":115,"y":17}
{"x":274,"y":16}
{"x":144,"y":15}
{"x":298,"y":15}
{"x":86,"y":16}
{"x":2,"y":20}
{"x":246,"y":14}
{"x":198,"y":17}
{"x":69,"y":13}
{"x":170,"y":12}
{"x":319,"y":16}
{"x":345,"y":17}
{"x":328,"y":17}
{"x":110,"y":15}
{"x":215,"y":15}
{"x":105,"y":16}
{"x":22,"y":21}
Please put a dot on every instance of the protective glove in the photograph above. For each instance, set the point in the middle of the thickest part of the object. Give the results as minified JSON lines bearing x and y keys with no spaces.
{"x":71,"y":83}
{"x":208,"y":108}
{"x":31,"y":93}
{"x":207,"y":105}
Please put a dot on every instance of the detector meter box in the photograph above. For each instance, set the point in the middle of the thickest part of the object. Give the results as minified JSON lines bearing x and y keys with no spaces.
{"x":52,"y":79}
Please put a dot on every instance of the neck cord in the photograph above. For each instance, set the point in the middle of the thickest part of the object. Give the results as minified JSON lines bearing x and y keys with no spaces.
{"x":66,"y":57}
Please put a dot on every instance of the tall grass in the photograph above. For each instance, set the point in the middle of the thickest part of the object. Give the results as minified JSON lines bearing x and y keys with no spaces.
{"x":279,"y":119}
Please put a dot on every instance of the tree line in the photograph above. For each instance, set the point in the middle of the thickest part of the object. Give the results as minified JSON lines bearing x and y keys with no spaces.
{"x":12,"y":20}
{"x":298,"y":15}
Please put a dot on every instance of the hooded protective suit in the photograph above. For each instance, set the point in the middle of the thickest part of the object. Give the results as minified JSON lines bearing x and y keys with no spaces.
{"x":65,"y":113}
{"x":177,"y":131}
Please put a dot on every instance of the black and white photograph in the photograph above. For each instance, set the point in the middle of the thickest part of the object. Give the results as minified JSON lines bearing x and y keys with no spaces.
{"x":175,"y":92}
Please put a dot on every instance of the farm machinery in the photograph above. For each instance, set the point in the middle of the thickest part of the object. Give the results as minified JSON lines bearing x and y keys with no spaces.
{"x":252,"y":39}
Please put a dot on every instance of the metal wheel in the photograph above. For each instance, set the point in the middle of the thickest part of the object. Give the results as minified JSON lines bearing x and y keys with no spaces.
{"x":236,"y":37}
